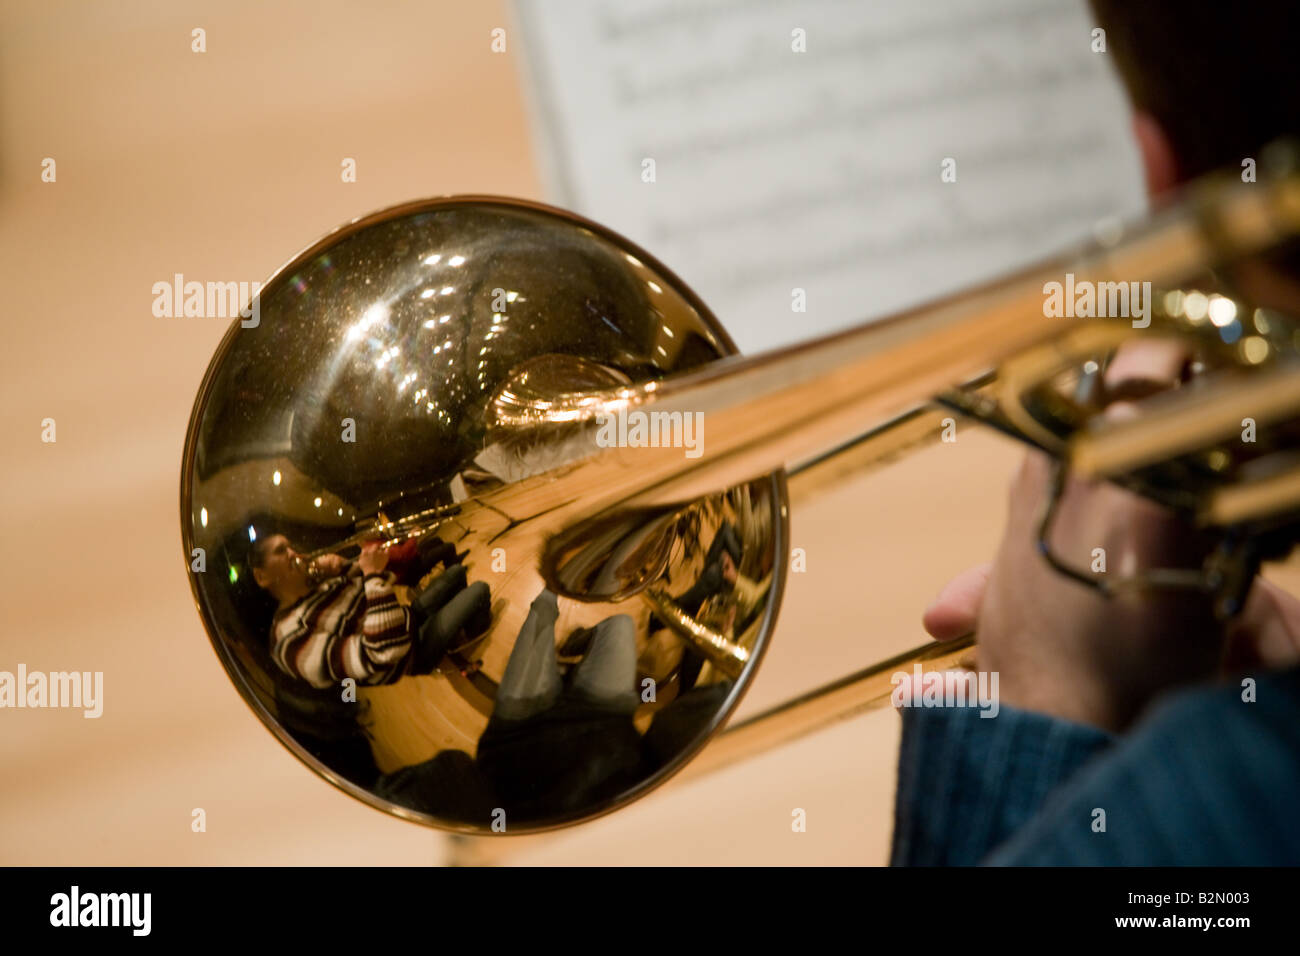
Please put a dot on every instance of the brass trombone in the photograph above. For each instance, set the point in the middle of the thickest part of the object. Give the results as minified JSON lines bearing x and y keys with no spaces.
{"x":482,"y":346}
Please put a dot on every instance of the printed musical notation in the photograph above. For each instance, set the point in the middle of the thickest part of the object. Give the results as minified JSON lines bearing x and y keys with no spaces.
{"x":759,"y":148}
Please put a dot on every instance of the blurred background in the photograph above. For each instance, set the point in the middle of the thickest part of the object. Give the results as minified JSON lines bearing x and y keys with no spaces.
{"x":772,"y":172}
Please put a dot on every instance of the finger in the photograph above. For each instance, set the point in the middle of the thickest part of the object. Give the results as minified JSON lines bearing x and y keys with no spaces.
{"x":957,"y":608}
{"x":1142,"y":368}
{"x":1267,"y":632}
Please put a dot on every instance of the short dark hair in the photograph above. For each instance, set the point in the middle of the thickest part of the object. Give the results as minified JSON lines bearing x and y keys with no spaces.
{"x":1221,"y":79}
{"x":259,"y":551}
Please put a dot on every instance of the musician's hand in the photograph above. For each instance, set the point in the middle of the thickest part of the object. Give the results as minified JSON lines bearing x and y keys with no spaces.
{"x":728,"y":569}
{"x":1059,"y":646}
{"x":331,"y":565}
{"x":374,"y":558}
{"x":1266,"y":634}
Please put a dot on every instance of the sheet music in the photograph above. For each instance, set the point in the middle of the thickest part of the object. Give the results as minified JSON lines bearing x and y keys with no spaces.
{"x":820,"y":170}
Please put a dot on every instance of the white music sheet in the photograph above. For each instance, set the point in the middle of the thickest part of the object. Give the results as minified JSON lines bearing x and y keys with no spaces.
{"x":820,"y":170}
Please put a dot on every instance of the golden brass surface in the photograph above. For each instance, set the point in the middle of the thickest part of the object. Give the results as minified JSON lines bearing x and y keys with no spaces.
{"x":537,"y":424}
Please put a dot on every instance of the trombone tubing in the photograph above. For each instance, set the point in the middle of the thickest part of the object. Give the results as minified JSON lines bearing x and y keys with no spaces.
{"x":779,"y":408}
{"x":868,"y":689}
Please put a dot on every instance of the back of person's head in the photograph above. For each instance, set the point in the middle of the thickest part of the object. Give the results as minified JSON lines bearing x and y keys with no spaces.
{"x":1221,"y":78}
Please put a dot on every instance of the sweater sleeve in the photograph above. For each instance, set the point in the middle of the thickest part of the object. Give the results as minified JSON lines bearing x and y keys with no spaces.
{"x":966,"y":782}
{"x":1210,"y":777}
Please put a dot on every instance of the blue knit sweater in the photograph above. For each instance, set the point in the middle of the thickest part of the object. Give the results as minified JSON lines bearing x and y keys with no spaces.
{"x":1205,"y":778}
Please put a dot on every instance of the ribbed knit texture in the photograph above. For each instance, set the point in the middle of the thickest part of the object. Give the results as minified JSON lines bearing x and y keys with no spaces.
{"x":1205,"y":779}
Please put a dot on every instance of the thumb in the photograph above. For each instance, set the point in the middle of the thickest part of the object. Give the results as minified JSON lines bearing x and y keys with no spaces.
{"x":955,"y":611}
{"x":1267,"y":632}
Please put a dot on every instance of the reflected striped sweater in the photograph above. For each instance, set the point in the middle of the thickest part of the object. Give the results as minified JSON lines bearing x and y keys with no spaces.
{"x":349,"y":626}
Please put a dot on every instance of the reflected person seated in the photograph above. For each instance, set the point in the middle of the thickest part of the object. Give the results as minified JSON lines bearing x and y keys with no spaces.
{"x":730,"y":611}
{"x":553,"y":744}
{"x":721,"y":599}
{"x":557,"y":745}
{"x":338,"y":619}
{"x":723,"y":550}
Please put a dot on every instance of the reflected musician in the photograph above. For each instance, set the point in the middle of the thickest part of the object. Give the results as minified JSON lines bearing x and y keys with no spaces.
{"x":338,"y":619}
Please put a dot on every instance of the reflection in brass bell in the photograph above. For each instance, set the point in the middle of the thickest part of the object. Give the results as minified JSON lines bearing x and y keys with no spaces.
{"x":419,"y":570}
